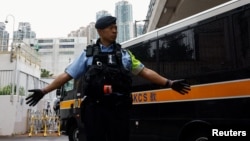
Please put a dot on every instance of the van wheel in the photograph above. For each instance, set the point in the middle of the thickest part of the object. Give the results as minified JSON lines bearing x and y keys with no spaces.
{"x":73,"y":133}
{"x":199,"y":139}
{"x":195,"y":135}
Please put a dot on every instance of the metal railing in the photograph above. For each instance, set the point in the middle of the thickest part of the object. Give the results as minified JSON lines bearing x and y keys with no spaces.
{"x":43,"y":122}
{"x":22,"y":50}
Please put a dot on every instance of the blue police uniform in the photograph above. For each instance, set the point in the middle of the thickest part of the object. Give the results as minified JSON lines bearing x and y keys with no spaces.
{"x":79,"y":66}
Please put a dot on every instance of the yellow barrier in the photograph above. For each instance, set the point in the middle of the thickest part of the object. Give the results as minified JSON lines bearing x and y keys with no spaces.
{"x":43,"y":122}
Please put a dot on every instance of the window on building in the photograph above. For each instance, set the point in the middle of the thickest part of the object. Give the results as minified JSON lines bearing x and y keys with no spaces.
{"x":45,"y":46}
{"x":66,"y":53}
{"x":45,"y":41}
{"x":66,"y":40}
{"x":66,"y":46}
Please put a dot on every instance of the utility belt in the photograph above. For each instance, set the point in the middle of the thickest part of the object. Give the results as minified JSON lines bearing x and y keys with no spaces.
{"x":112,"y":100}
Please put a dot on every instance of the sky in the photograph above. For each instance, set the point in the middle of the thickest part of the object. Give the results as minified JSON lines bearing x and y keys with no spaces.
{"x":57,"y":18}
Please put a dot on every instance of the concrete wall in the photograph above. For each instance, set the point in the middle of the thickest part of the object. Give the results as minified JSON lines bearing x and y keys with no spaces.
{"x":12,"y":114}
{"x":24,"y":73}
{"x":7,"y":114}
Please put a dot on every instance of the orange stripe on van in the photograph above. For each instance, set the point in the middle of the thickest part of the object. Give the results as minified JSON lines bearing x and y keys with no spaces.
{"x":230,"y":89}
{"x":66,"y":104}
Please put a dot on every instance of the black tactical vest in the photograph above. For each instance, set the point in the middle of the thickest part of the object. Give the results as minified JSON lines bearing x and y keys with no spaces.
{"x":107,"y":74}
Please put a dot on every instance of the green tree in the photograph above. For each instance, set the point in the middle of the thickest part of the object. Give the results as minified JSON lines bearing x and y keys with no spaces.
{"x":45,"y":73}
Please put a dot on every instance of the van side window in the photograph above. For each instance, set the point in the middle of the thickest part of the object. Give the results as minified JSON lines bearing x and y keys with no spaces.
{"x":69,"y":85}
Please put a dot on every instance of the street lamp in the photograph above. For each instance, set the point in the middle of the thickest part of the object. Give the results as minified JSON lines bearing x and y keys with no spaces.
{"x":11,"y":58}
{"x":12,"y":46}
{"x":6,"y":21}
{"x":136,"y":25}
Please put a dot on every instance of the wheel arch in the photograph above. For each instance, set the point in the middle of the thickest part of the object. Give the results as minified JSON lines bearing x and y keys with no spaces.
{"x":71,"y":122}
{"x":195,"y":125}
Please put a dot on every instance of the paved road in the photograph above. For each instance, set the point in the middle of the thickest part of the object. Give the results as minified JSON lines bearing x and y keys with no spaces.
{"x":35,"y":138}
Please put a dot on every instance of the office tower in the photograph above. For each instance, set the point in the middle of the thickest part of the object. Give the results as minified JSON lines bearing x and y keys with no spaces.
{"x":24,"y":31}
{"x":81,"y":32}
{"x":123,"y":12}
{"x":139,"y":29}
{"x":91,"y":33}
{"x":102,"y":13}
{"x":4,"y":37}
{"x":24,"y":34}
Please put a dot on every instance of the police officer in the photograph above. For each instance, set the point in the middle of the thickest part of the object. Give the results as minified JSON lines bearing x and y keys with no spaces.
{"x":106,"y":68}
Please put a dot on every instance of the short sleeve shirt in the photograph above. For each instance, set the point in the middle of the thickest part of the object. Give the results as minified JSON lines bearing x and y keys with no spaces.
{"x":79,"y":66}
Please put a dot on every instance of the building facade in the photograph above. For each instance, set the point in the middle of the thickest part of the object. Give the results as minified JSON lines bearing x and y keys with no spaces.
{"x":24,"y":31}
{"x":25,"y":34}
{"x":57,"y":53}
{"x":139,"y":29}
{"x":4,"y":37}
{"x":91,"y":33}
{"x":102,"y":13}
{"x":124,"y":14}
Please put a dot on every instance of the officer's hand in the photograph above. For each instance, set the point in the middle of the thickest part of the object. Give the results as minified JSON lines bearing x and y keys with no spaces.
{"x":34,"y":98}
{"x":181,"y":86}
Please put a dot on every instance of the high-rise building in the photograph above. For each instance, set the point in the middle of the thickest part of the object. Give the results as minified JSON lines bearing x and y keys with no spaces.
{"x":24,"y":31}
{"x":91,"y":33}
{"x":4,"y":37}
{"x":23,"y":34}
{"x":102,"y":13}
{"x":81,"y":32}
{"x":124,"y":15}
{"x":139,"y":29}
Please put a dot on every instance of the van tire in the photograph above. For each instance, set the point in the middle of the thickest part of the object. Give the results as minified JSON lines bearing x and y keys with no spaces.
{"x":195,"y":135}
{"x":73,"y":133}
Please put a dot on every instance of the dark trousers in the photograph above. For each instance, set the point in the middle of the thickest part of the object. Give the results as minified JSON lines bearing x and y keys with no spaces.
{"x":106,"y":120}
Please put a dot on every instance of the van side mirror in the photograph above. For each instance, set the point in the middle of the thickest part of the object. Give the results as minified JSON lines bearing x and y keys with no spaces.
{"x":58,"y":92}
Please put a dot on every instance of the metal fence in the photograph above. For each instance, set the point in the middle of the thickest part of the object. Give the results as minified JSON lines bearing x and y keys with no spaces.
{"x":45,"y":122}
{"x":24,"y":81}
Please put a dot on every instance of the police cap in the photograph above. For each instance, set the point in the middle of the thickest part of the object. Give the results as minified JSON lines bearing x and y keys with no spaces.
{"x":104,"y":22}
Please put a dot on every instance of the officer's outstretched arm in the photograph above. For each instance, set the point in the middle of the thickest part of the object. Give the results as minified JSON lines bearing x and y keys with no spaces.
{"x":38,"y":94}
{"x":181,"y":86}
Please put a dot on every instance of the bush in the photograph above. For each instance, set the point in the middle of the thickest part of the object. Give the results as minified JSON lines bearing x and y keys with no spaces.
{"x":6,"y":90}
